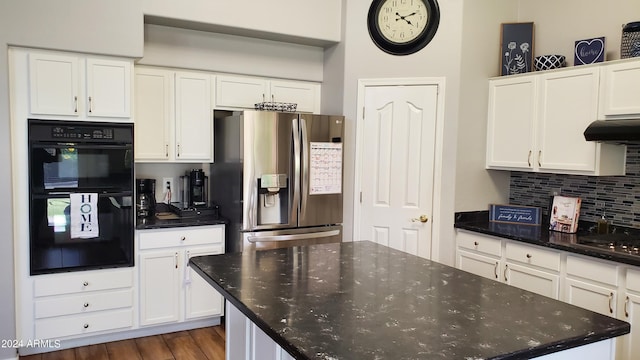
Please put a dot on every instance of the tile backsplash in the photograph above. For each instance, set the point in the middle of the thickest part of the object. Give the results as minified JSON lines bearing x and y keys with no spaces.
{"x":618,"y":196}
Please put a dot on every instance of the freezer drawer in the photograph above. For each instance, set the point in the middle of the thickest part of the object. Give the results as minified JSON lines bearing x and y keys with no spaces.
{"x":263,"y":240}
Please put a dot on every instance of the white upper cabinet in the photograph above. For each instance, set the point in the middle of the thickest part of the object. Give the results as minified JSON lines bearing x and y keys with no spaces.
{"x":53,"y":84}
{"x":240,"y":91}
{"x":536,"y":123}
{"x":79,"y":86}
{"x":153,"y":113}
{"x":108,"y":88}
{"x":194,"y":117}
{"x":512,"y":116}
{"x":619,"y":94}
{"x":173,"y":115}
{"x":245,"y":91}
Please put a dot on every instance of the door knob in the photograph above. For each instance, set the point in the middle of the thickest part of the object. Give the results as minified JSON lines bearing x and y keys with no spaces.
{"x":422,"y":219}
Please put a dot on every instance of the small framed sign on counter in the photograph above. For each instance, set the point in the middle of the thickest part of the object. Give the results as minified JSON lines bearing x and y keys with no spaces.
{"x":515,"y":214}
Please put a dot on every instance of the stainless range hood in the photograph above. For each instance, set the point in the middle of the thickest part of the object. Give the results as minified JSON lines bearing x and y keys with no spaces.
{"x":613,"y":130}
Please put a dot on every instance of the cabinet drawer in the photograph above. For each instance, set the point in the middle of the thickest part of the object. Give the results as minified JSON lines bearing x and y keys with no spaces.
{"x":633,"y":280}
{"x":532,"y":255}
{"x":483,"y":244}
{"x":592,"y":270}
{"x":201,"y":235}
{"x":59,"y":327}
{"x":83,"y":303}
{"x":60,"y":284}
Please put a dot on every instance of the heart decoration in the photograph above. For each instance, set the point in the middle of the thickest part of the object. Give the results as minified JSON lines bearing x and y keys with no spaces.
{"x":589,"y":51}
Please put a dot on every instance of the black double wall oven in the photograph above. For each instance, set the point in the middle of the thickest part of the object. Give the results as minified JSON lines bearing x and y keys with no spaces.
{"x":81,"y":213}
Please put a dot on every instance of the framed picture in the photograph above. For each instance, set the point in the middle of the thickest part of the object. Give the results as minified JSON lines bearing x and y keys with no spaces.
{"x":589,"y":51}
{"x":516,"y":48}
{"x":564,"y":214}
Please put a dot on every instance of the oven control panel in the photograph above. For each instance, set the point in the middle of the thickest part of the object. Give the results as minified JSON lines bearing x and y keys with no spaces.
{"x":79,"y":133}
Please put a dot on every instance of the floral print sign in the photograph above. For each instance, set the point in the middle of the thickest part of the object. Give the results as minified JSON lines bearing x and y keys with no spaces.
{"x":516,"y":48}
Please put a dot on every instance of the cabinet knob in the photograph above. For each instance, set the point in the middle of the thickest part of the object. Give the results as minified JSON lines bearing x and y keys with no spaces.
{"x":476,"y":243}
{"x":528,"y":256}
{"x":85,"y":284}
{"x":183,"y":238}
{"x":86,"y":326}
{"x":86,"y":305}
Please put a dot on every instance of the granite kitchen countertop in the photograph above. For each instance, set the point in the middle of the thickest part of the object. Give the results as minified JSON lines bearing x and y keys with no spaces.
{"x":361,"y":300}
{"x":166,"y":221}
{"x":478,"y":221}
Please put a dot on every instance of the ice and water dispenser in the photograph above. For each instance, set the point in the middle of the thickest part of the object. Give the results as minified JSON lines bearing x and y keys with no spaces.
{"x":273,"y":199}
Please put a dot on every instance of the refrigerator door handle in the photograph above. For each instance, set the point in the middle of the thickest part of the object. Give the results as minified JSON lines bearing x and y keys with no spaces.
{"x":305,"y":168}
{"x":296,"y":169}
{"x":254,"y":239}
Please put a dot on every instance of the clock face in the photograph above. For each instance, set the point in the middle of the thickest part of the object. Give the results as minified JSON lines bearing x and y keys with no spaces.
{"x":402,"y":27}
{"x":402,"y":21}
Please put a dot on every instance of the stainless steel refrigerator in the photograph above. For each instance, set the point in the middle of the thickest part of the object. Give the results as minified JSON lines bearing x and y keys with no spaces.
{"x":277,"y":178}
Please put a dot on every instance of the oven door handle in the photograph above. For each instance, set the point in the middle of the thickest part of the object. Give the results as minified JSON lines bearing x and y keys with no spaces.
{"x":315,"y":235}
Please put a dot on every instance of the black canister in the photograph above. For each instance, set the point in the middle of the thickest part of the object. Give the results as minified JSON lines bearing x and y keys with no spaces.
{"x":630,"y":46}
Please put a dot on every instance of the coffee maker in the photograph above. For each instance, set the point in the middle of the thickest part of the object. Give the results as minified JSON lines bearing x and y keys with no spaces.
{"x":195,"y":189}
{"x":146,"y":197}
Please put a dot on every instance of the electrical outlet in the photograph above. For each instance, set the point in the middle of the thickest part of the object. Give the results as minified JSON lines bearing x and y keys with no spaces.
{"x":167,"y":183}
{"x":555,"y":191}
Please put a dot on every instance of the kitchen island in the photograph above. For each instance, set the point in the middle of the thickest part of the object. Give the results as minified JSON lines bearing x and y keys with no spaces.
{"x":362,"y":300}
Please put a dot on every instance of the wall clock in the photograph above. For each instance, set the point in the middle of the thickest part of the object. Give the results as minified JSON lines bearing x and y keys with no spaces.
{"x":402,"y":27}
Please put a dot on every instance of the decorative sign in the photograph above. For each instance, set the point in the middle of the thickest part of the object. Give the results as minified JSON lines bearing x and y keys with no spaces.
{"x":84,"y":215}
{"x":514,"y":214}
{"x":589,"y":51}
{"x":516,"y":49}
{"x":325,"y":170}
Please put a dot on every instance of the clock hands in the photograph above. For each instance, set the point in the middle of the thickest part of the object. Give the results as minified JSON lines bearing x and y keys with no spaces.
{"x":400,"y":17}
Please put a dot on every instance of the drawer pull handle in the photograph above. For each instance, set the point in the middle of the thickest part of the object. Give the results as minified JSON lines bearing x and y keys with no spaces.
{"x":528,"y":256}
{"x":75,"y":104}
{"x":86,"y":305}
{"x":86,"y":326}
{"x":610,"y":301}
{"x":506,"y":268}
{"x":476,"y":243}
{"x":166,"y":150}
{"x":626,"y":307}
{"x":529,"y":159}
{"x":176,"y":260}
{"x":85,"y":284}
{"x":495,"y":270}
{"x":539,"y":158}
{"x":90,"y":105}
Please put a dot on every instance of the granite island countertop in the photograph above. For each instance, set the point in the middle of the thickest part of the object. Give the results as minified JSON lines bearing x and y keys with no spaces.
{"x":478,"y":221}
{"x":362,"y":300}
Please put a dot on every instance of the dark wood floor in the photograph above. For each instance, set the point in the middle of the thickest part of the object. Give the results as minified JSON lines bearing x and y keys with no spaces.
{"x":198,"y":344}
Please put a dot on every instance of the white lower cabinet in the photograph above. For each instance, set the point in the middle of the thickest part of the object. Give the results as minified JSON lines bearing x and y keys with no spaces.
{"x":83,"y":303}
{"x":630,"y":312}
{"x":480,"y":255}
{"x":591,"y":284}
{"x":170,"y":291}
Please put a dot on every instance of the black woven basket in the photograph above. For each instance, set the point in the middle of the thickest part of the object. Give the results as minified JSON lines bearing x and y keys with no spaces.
{"x":630,"y":46}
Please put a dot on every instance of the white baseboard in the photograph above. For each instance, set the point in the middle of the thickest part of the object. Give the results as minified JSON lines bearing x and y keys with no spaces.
{"x":121,"y":335}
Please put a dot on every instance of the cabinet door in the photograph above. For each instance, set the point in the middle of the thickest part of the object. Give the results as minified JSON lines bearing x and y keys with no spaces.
{"x":537,"y":281}
{"x":108,"y":88}
{"x":619,"y":93}
{"x":631,"y":342}
{"x":568,"y":103}
{"x":194,"y":117}
{"x":305,"y":94}
{"x":159,"y":287}
{"x":153,"y":113}
{"x":53,"y":84}
{"x":590,"y":296}
{"x":201,"y":298}
{"x":511,"y":118}
{"x":481,"y":265}
{"x":240,"y":91}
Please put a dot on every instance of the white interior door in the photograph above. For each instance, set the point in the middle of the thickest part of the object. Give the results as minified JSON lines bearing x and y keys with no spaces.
{"x":397,"y":162}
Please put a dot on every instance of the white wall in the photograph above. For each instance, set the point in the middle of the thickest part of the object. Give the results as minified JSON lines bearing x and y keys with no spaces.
{"x":362,"y":60}
{"x":314,"y":22}
{"x":558,"y":24}
{"x":475,"y":186}
{"x":192,"y":49}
